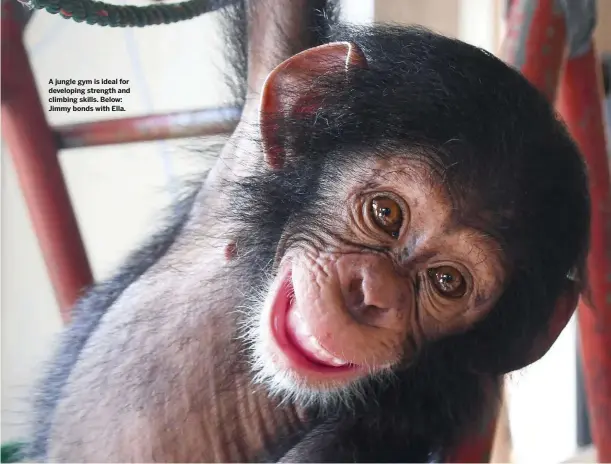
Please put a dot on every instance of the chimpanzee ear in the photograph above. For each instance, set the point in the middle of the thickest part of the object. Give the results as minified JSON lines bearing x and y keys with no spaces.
{"x":290,"y":89}
{"x":564,"y":309}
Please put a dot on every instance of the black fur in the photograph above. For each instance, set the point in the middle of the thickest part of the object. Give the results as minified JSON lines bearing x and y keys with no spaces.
{"x":512,"y":170}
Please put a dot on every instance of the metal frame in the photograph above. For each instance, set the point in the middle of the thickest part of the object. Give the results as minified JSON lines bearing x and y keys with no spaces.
{"x":580,"y":103}
{"x":212,"y":121}
{"x":535,"y":43}
{"x":33,"y":147}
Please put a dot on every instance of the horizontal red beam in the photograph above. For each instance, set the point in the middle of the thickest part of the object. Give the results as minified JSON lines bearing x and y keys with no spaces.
{"x":206,"y":122}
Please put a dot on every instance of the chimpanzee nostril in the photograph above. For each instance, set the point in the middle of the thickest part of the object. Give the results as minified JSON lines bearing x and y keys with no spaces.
{"x":368,"y":314}
{"x":355,"y":292}
{"x":356,"y":306}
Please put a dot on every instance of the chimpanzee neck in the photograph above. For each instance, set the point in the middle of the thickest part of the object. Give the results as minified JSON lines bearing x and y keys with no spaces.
{"x":245,"y":422}
{"x":238,"y":420}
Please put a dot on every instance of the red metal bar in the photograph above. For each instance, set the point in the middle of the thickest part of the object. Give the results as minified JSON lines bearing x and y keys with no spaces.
{"x":34,"y":151}
{"x":536,"y":43}
{"x":580,"y":103}
{"x":478,"y":447}
{"x":211,"y":121}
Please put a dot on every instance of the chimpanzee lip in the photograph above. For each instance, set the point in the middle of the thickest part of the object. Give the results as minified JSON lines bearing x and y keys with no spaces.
{"x":319,"y":361}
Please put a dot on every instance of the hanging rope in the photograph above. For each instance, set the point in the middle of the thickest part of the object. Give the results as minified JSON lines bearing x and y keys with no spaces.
{"x":105,"y":14}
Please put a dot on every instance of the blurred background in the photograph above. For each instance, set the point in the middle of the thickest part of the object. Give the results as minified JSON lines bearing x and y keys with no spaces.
{"x":119,"y":191}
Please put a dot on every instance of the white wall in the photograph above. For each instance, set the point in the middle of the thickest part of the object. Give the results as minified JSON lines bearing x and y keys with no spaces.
{"x":438,"y":15}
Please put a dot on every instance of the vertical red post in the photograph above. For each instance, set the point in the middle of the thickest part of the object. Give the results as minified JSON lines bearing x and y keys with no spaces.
{"x":33,"y":147}
{"x":478,"y":446}
{"x":536,"y":43}
{"x":580,"y":103}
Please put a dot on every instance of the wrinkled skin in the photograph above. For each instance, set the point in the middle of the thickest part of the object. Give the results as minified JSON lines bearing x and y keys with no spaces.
{"x":365,"y":296}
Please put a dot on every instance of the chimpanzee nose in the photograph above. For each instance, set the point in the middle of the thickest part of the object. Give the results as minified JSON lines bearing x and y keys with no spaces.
{"x":374,"y":294}
{"x":369,"y":314}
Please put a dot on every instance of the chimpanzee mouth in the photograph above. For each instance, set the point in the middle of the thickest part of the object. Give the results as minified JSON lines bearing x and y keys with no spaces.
{"x":299,"y":346}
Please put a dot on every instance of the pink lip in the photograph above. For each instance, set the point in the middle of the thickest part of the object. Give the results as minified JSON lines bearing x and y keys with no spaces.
{"x":285,"y":339}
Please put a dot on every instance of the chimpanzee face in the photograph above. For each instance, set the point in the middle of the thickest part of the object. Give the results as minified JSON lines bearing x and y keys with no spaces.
{"x":383,"y":268}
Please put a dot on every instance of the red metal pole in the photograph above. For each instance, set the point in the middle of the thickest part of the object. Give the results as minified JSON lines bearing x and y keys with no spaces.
{"x":211,"y":121}
{"x":536,"y":43}
{"x":478,"y":446}
{"x":34,"y":151}
{"x":580,"y":103}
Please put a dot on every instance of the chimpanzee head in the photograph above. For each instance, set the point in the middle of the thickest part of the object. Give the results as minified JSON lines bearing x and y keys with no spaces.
{"x":415,"y":195}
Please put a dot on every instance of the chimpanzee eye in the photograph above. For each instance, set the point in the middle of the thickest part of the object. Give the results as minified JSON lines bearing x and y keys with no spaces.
{"x":448,"y":281}
{"x":387,"y":215}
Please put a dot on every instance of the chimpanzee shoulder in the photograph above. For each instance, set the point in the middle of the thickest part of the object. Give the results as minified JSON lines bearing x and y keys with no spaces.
{"x":88,"y":312}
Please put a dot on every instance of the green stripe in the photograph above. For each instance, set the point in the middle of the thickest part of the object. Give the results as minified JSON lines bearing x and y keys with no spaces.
{"x":11,"y":452}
